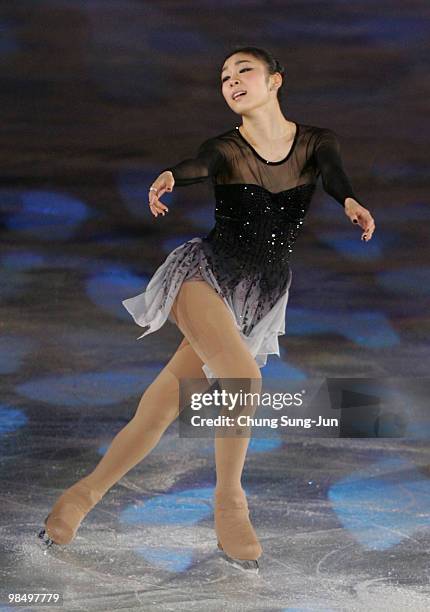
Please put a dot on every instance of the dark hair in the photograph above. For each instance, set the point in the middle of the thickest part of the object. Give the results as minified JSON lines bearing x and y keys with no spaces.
{"x":272,"y":64}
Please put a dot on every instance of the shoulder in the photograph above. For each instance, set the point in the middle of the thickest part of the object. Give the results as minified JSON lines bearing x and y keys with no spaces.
{"x":219,"y":142}
{"x":223,"y":137}
{"x":316,"y":131}
{"x":318,"y":136}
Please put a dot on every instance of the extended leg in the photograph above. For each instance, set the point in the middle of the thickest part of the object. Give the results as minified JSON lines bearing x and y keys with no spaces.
{"x":158,"y":407}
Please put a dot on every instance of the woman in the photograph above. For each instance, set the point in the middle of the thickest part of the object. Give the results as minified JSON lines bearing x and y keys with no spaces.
{"x":227,"y":292}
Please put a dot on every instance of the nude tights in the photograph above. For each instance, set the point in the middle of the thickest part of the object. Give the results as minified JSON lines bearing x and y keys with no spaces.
{"x":211,"y":337}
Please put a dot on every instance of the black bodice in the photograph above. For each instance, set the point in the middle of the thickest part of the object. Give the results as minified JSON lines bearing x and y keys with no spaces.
{"x":253,"y":238}
{"x":259,"y":226}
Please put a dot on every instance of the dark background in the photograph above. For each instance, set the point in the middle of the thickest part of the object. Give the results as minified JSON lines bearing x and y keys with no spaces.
{"x":98,"y":97}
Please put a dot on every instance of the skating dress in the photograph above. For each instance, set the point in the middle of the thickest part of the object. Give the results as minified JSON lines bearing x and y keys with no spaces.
{"x":260,"y":208}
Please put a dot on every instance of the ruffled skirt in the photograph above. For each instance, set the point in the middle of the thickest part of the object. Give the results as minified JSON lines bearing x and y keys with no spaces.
{"x":152,"y":307}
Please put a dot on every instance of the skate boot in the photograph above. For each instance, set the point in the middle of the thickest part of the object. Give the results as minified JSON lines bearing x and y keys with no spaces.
{"x":236,"y":536}
{"x":68,"y":512}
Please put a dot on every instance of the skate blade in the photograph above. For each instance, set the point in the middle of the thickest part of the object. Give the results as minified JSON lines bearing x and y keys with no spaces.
{"x":250,"y":566}
{"x":46,"y":541}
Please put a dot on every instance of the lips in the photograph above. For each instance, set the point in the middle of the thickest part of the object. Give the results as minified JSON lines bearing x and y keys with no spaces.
{"x":238,"y":94}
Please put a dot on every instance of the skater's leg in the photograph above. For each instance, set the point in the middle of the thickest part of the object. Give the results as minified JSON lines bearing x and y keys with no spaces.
{"x":203,"y":317}
{"x":158,"y":407}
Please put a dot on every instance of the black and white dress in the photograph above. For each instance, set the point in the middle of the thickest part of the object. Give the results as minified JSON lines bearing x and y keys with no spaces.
{"x":260,"y":210}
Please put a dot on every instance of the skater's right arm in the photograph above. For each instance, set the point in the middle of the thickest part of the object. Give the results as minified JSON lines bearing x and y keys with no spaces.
{"x":207,"y":162}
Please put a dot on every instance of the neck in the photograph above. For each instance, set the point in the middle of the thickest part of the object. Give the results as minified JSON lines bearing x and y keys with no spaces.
{"x":263,"y":126}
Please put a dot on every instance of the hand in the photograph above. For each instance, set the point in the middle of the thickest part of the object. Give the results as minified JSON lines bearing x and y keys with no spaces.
{"x":358,"y":214}
{"x":164,"y":182}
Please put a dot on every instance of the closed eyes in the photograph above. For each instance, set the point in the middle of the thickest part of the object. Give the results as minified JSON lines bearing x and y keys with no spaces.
{"x":241,"y":70}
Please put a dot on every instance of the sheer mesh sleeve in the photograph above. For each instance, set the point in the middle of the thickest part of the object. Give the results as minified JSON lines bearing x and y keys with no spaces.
{"x":207,"y":163}
{"x":329,"y":163}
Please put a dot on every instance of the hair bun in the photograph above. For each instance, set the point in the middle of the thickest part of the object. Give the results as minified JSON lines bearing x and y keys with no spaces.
{"x":279,"y":67}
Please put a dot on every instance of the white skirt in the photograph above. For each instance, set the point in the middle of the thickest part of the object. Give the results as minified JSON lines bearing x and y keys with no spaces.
{"x":152,"y":307}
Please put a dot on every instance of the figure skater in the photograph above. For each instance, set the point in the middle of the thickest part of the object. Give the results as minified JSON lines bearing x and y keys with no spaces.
{"x":226,"y":292}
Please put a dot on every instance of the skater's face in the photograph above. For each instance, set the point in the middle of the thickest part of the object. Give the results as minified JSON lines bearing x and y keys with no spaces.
{"x":245,"y":72}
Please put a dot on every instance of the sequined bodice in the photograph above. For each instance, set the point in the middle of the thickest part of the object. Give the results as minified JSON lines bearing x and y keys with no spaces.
{"x":259,"y":226}
{"x":254,"y":235}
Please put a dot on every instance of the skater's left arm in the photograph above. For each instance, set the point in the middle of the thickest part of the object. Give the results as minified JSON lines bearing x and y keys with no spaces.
{"x":337,"y":184}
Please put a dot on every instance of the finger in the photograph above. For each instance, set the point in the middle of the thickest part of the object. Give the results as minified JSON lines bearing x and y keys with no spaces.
{"x":156,"y":204}
{"x":368,"y":223}
{"x":156,"y":209}
{"x":365,"y":222}
{"x":367,"y":234}
{"x":152,"y":205}
{"x":154,"y":199}
{"x":161,"y":192}
{"x":368,"y":229}
{"x":160,"y":207}
{"x":152,"y":196}
{"x":153,"y":210}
